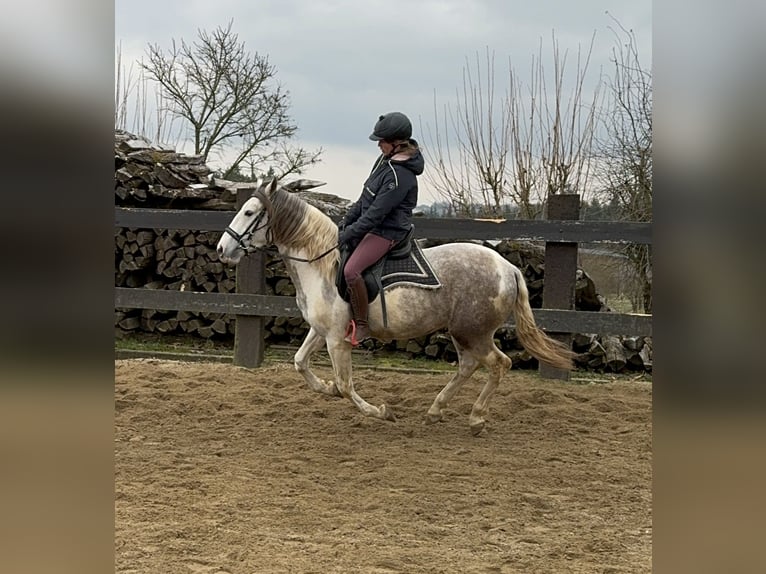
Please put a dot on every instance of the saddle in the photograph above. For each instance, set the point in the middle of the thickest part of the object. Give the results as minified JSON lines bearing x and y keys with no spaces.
{"x":404,"y":264}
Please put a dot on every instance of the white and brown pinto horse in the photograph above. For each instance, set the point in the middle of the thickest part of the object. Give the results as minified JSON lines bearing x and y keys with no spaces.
{"x":479,"y":292}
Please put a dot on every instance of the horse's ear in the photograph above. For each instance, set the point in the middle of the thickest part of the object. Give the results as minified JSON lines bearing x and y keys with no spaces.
{"x":303,"y":184}
{"x":273,"y":186}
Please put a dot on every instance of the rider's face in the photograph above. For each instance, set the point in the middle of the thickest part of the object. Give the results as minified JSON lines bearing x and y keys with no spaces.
{"x":385,"y":147}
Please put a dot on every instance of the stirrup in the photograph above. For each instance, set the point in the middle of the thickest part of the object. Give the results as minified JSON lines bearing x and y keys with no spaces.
{"x":350,"y":336}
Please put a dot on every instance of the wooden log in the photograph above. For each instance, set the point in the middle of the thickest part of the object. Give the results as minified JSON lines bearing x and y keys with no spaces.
{"x":285,"y":288}
{"x":413,"y":347}
{"x":183,"y":316}
{"x":646,"y":358}
{"x":206,"y":332}
{"x":521,"y":358}
{"x":130,"y":323}
{"x":595,"y":362}
{"x":149,"y":319}
{"x":432,"y":351}
{"x":133,"y":281}
{"x":167,"y":325}
{"x":634,"y":359}
{"x":226,"y":286}
{"x":582,"y":341}
{"x":219,"y":326}
{"x":212,"y":316}
{"x":142,"y":262}
{"x":144,"y":237}
{"x":596,"y":349}
{"x":614,"y":353}
{"x":633,"y":343}
{"x":127,"y":266}
{"x":191,"y":325}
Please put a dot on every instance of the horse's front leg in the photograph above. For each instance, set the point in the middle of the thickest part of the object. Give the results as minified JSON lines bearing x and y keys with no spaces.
{"x":302,"y":360}
{"x":340,"y":355}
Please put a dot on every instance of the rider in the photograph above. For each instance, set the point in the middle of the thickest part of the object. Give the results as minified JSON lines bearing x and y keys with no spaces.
{"x":381,"y":217}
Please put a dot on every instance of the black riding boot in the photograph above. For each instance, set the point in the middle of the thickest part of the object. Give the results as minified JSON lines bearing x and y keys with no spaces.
{"x":358,"y":330}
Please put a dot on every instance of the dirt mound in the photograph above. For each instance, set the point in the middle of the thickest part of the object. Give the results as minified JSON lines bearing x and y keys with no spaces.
{"x":221,"y":469}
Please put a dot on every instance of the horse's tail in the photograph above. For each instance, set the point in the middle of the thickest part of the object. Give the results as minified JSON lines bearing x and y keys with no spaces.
{"x":534,"y":340}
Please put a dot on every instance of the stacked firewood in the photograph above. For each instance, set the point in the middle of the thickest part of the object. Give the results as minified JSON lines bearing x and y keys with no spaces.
{"x":608,"y":353}
{"x":147,"y":175}
{"x":186,"y":260}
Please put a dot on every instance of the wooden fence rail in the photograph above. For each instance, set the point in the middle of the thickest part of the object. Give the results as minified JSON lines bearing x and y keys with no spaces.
{"x":247,"y":304}
{"x":253,"y":307}
{"x":425,"y":227}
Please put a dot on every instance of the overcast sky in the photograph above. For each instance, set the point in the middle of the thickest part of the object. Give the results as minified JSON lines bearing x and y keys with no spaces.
{"x":345,"y":62}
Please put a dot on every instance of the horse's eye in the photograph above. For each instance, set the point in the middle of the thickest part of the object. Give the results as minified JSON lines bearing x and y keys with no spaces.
{"x":249,"y":213}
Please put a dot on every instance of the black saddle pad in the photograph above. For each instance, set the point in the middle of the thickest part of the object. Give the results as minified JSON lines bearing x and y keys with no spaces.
{"x":411,"y":269}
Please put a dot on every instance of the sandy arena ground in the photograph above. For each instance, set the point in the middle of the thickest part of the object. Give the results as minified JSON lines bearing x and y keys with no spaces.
{"x":225,"y":470}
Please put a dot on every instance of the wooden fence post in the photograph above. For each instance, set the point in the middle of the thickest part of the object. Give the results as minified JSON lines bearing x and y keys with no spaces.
{"x":251,"y":278}
{"x":560,"y":273}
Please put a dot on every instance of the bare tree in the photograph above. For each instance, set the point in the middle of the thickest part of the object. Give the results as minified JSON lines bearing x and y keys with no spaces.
{"x":469,"y":175}
{"x":625,"y":154}
{"x":536,"y":142}
{"x":132,"y":112}
{"x":229,"y":99}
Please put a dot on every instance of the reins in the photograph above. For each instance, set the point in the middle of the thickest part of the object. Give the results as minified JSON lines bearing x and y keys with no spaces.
{"x":317,"y":258}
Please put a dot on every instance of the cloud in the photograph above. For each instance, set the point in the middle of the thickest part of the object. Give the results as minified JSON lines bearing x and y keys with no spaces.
{"x":345,"y":62}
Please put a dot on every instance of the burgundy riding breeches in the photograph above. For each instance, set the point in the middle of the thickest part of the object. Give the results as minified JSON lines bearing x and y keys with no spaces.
{"x":368,"y":252}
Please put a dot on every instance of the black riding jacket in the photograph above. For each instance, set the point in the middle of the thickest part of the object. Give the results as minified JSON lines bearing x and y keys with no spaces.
{"x":389,"y":195}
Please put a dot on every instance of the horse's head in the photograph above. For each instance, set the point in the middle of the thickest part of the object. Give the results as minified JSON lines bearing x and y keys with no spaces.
{"x":249,"y":228}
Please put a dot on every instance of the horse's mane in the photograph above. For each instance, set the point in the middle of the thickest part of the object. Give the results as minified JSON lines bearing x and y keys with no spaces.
{"x":297,"y":224}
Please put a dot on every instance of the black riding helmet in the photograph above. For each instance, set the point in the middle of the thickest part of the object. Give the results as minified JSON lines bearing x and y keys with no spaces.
{"x":392,"y":126}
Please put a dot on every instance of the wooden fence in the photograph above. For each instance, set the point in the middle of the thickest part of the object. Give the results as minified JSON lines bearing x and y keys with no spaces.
{"x":250,"y":306}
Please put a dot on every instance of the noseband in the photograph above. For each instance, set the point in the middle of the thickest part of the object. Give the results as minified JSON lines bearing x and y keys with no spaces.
{"x":243,"y":239}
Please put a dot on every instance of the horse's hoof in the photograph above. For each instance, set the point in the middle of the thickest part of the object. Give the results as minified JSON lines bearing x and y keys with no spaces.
{"x":387,"y":414}
{"x":433,"y":418}
{"x":477,"y":427}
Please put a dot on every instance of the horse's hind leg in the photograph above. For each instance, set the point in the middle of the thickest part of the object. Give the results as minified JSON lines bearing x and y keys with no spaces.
{"x":312,"y":343}
{"x":467,"y":365}
{"x":497,"y":364}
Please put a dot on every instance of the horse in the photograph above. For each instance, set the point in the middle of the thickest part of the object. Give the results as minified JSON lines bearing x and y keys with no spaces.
{"x":479,"y":291}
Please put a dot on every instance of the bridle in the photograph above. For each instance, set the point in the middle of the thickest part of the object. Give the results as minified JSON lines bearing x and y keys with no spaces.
{"x":247,"y":234}
{"x":243,"y":239}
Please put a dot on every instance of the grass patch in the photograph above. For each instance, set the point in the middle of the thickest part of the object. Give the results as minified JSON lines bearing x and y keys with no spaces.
{"x":153,"y":342}
{"x":193,"y":348}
